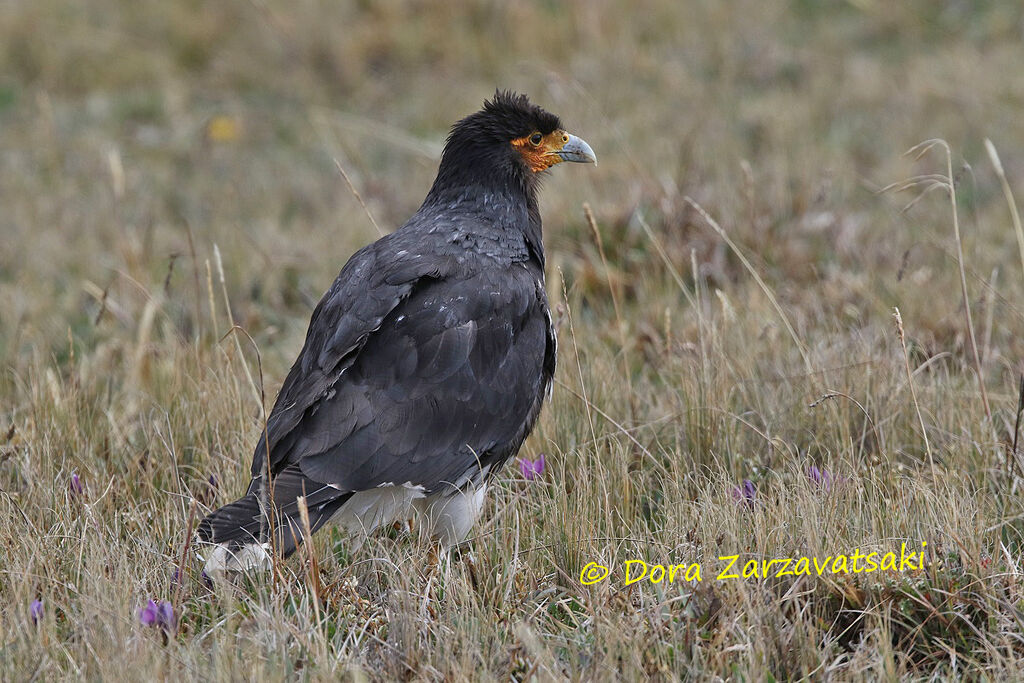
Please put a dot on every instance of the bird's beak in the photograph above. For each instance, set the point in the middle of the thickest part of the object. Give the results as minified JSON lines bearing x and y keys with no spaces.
{"x":576,"y":149}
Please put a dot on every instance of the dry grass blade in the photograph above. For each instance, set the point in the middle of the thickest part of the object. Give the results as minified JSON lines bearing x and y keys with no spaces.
{"x":950,"y":183}
{"x":614,"y":422}
{"x":620,"y":323}
{"x":1014,"y":453}
{"x":257,"y":390}
{"x":576,"y":353}
{"x":312,"y":566}
{"x":667,"y":261}
{"x":359,"y":197}
{"x":713,"y":224}
{"x":832,"y":393}
{"x":913,"y":389}
{"x":183,"y":560}
{"x":997,"y":164}
{"x":963,"y":280}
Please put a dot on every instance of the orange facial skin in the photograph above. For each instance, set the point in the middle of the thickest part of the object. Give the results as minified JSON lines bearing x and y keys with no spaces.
{"x":543,"y":155}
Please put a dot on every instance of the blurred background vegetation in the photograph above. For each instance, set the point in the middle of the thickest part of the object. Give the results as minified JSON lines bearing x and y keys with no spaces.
{"x":148,"y":147}
{"x":134,"y":133}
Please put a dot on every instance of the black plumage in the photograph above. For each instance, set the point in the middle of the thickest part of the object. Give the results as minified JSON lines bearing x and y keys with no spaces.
{"x":426,"y":363}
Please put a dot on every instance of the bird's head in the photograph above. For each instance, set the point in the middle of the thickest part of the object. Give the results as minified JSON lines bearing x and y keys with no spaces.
{"x":509,"y":140}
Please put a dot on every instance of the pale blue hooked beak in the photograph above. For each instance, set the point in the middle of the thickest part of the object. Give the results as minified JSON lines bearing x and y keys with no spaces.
{"x":576,"y":149}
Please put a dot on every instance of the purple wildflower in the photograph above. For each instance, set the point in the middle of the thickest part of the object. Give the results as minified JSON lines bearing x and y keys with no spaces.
{"x":167,"y":617}
{"x":75,"y":485}
{"x":745,"y":494}
{"x":207,"y":581}
{"x":531,"y":469}
{"x":35,"y":610}
{"x":159,"y":614}
{"x":206,"y":492}
{"x":148,"y":615}
{"x":824,"y":479}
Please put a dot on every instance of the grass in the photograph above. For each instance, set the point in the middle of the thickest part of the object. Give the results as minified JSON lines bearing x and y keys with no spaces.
{"x":725,"y":310}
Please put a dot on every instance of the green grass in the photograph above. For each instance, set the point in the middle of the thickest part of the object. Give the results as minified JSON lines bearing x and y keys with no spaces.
{"x":135,"y":232}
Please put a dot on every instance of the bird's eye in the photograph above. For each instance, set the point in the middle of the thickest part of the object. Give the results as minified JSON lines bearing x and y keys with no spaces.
{"x":535,"y":139}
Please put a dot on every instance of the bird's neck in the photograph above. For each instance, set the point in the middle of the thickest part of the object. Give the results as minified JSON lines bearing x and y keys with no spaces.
{"x":508,"y":205}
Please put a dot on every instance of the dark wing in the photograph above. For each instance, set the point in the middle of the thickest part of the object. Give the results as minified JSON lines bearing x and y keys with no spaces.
{"x":364,"y":293}
{"x":452,"y":378}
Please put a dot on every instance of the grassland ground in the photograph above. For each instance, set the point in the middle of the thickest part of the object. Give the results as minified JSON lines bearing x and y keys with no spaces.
{"x":733,"y":380}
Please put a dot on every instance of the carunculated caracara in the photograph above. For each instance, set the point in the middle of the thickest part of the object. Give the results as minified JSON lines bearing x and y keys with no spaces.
{"x":425,"y":364}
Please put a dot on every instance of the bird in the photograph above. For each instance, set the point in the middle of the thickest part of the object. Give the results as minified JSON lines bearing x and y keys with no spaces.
{"x":425,"y":364}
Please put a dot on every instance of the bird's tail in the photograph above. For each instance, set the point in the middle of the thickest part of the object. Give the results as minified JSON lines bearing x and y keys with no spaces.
{"x":238,"y":536}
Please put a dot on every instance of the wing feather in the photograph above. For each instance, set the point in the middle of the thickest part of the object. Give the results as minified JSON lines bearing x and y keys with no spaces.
{"x":413,"y":369}
{"x":366,"y":291}
{"x":480,"y":354}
